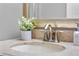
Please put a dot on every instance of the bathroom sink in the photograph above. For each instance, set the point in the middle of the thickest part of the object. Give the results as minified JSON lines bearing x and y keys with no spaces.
{"x":38,"y":48}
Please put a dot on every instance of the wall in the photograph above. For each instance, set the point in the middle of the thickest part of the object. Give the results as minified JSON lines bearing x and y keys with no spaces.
{"x":73,"y":10}
{"x":9,"y":16}
{"x":47,"y":10}
{"x":50,"y":11}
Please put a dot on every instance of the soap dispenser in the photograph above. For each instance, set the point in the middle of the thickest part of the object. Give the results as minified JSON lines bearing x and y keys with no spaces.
{"x":76,"y":35}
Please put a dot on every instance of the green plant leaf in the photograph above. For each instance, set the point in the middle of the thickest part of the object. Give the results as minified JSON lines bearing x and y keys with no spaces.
{"x":27,"y":24}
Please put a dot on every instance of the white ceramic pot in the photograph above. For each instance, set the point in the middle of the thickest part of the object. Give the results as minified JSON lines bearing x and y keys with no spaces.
{"x":26,"y":35}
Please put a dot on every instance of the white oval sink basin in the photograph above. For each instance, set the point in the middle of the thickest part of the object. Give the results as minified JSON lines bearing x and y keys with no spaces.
{"x":38,"y":48}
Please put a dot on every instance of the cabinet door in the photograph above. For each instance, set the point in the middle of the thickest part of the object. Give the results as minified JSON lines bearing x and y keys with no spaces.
{"x":72,"y":10}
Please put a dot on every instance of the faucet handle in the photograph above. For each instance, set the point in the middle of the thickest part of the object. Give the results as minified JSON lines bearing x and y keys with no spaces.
{"x":56,"y":37}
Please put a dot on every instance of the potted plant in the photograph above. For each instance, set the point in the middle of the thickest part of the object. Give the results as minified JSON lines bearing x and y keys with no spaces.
{"x":26,"y":26}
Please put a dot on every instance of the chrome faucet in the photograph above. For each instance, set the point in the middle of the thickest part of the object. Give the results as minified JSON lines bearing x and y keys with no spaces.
{"x":50,"y":34}
{"x":46,"y":36}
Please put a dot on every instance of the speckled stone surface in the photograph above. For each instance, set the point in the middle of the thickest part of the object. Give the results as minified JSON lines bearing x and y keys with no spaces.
{"x":5,"y":48}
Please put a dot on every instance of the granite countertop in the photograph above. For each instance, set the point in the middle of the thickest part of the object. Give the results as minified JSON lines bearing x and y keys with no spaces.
{"x":5,"y":50}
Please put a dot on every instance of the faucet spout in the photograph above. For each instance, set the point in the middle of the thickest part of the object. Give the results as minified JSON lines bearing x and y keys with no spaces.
{"x":50,"y":34}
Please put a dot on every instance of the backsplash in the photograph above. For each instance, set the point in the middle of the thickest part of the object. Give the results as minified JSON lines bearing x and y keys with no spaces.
{"x":66,"y":35}
{"x":59,"y":23}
